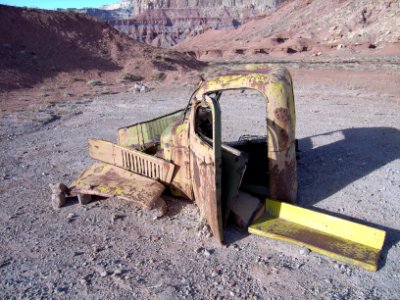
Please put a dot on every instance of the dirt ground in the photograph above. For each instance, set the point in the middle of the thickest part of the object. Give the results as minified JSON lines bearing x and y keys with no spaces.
{"x":348,"y":126}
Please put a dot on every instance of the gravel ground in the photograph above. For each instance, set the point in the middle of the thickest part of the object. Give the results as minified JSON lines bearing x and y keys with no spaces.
{"x":349,"y":136}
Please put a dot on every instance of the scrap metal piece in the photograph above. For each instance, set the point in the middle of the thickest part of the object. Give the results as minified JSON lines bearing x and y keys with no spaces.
{"x":234,"y":164}
{"x":144,"y":132}
{"x":108,"y":181}
{"x":244,"y":208}
{"x":337,"y":238}
{"x":132,"y":160}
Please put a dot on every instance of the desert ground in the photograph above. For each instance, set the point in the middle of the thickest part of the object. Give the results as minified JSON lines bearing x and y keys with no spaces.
{"x":348,"y":126}
{"x":66,"y":77}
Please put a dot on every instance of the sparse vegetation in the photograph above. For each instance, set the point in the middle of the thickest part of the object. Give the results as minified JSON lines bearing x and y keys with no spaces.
{"x":94,"y":82}
{"x":129,"y":77}
{"x":157,"y":75}
{"x":66,"y":94}
{"x":76,"y":79}
{"x":163,"y":57}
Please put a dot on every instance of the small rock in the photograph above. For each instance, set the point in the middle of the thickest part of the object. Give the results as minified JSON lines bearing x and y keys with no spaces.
{"x":115,"y":217}
{"x":102,"y":272}
{"x":206,"y":253}
{"x":59,"y":191}
{"x":340,"y":46}
{"x":139,"y":88}
{"x":299,"y":265}
{"x":304,"y":251}
{"x":4,"y":263}
{"x":60,"y":290}
{"x":122,"y":283}
{"x":199,"y":250}
{"x":236,"y":247}
{"x":83,"y":281}
{"x":71,"y":217}
{"x":117,"y":272}
{"x":94,"y":82}
{"x":78,"y":253}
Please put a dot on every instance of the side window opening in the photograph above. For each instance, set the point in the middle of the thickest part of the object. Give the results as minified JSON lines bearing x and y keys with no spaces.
{"x":244,"y":173}
{"x":204,"y":122}
{"x":244,"y":128}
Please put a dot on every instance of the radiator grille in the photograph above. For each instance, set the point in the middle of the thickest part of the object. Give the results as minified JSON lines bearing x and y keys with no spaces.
{"x":141,"y":165}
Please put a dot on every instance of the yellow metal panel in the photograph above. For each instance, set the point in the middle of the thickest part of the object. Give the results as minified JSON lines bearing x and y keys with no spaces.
{"x":332,"y":225}
{"x":109,"y":181}
{"x":132,"y":160}
{"x":175,"y":147}
{"x":144,"y":132}
{"x":341,"y":239}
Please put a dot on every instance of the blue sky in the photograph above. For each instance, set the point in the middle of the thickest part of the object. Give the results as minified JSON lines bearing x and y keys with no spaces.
{"x":51,"y":4}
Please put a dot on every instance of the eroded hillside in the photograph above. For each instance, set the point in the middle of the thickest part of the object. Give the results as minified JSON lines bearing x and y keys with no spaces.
{"x":307,"y":26}
{"x":57,"y":55}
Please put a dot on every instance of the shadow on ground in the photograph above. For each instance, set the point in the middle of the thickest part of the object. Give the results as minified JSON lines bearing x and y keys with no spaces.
{"x":325,"y":170}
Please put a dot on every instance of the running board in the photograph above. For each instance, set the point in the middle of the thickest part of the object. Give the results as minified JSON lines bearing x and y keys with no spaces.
{"x":340,"y":239}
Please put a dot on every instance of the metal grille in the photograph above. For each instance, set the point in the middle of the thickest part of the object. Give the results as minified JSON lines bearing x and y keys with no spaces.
{"x":142,"y":166}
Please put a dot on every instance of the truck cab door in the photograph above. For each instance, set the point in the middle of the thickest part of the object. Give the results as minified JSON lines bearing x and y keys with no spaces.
{"x":205,"y":161}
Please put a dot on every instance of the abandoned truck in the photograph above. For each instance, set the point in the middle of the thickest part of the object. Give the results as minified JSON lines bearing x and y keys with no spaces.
{"x":184,"y":152}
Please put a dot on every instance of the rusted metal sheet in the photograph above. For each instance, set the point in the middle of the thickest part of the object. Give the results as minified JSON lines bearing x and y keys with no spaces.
{"x":205,"y":166}
{"x":140,"y":134}
{"x":244,"y":208}
{"x":109,"y":181}
{"x":340,"y":239}
{"x":234,"y":163}
{"x":132,"y":160}
{"x":175,"y":148}
{"x":275,"y":83}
